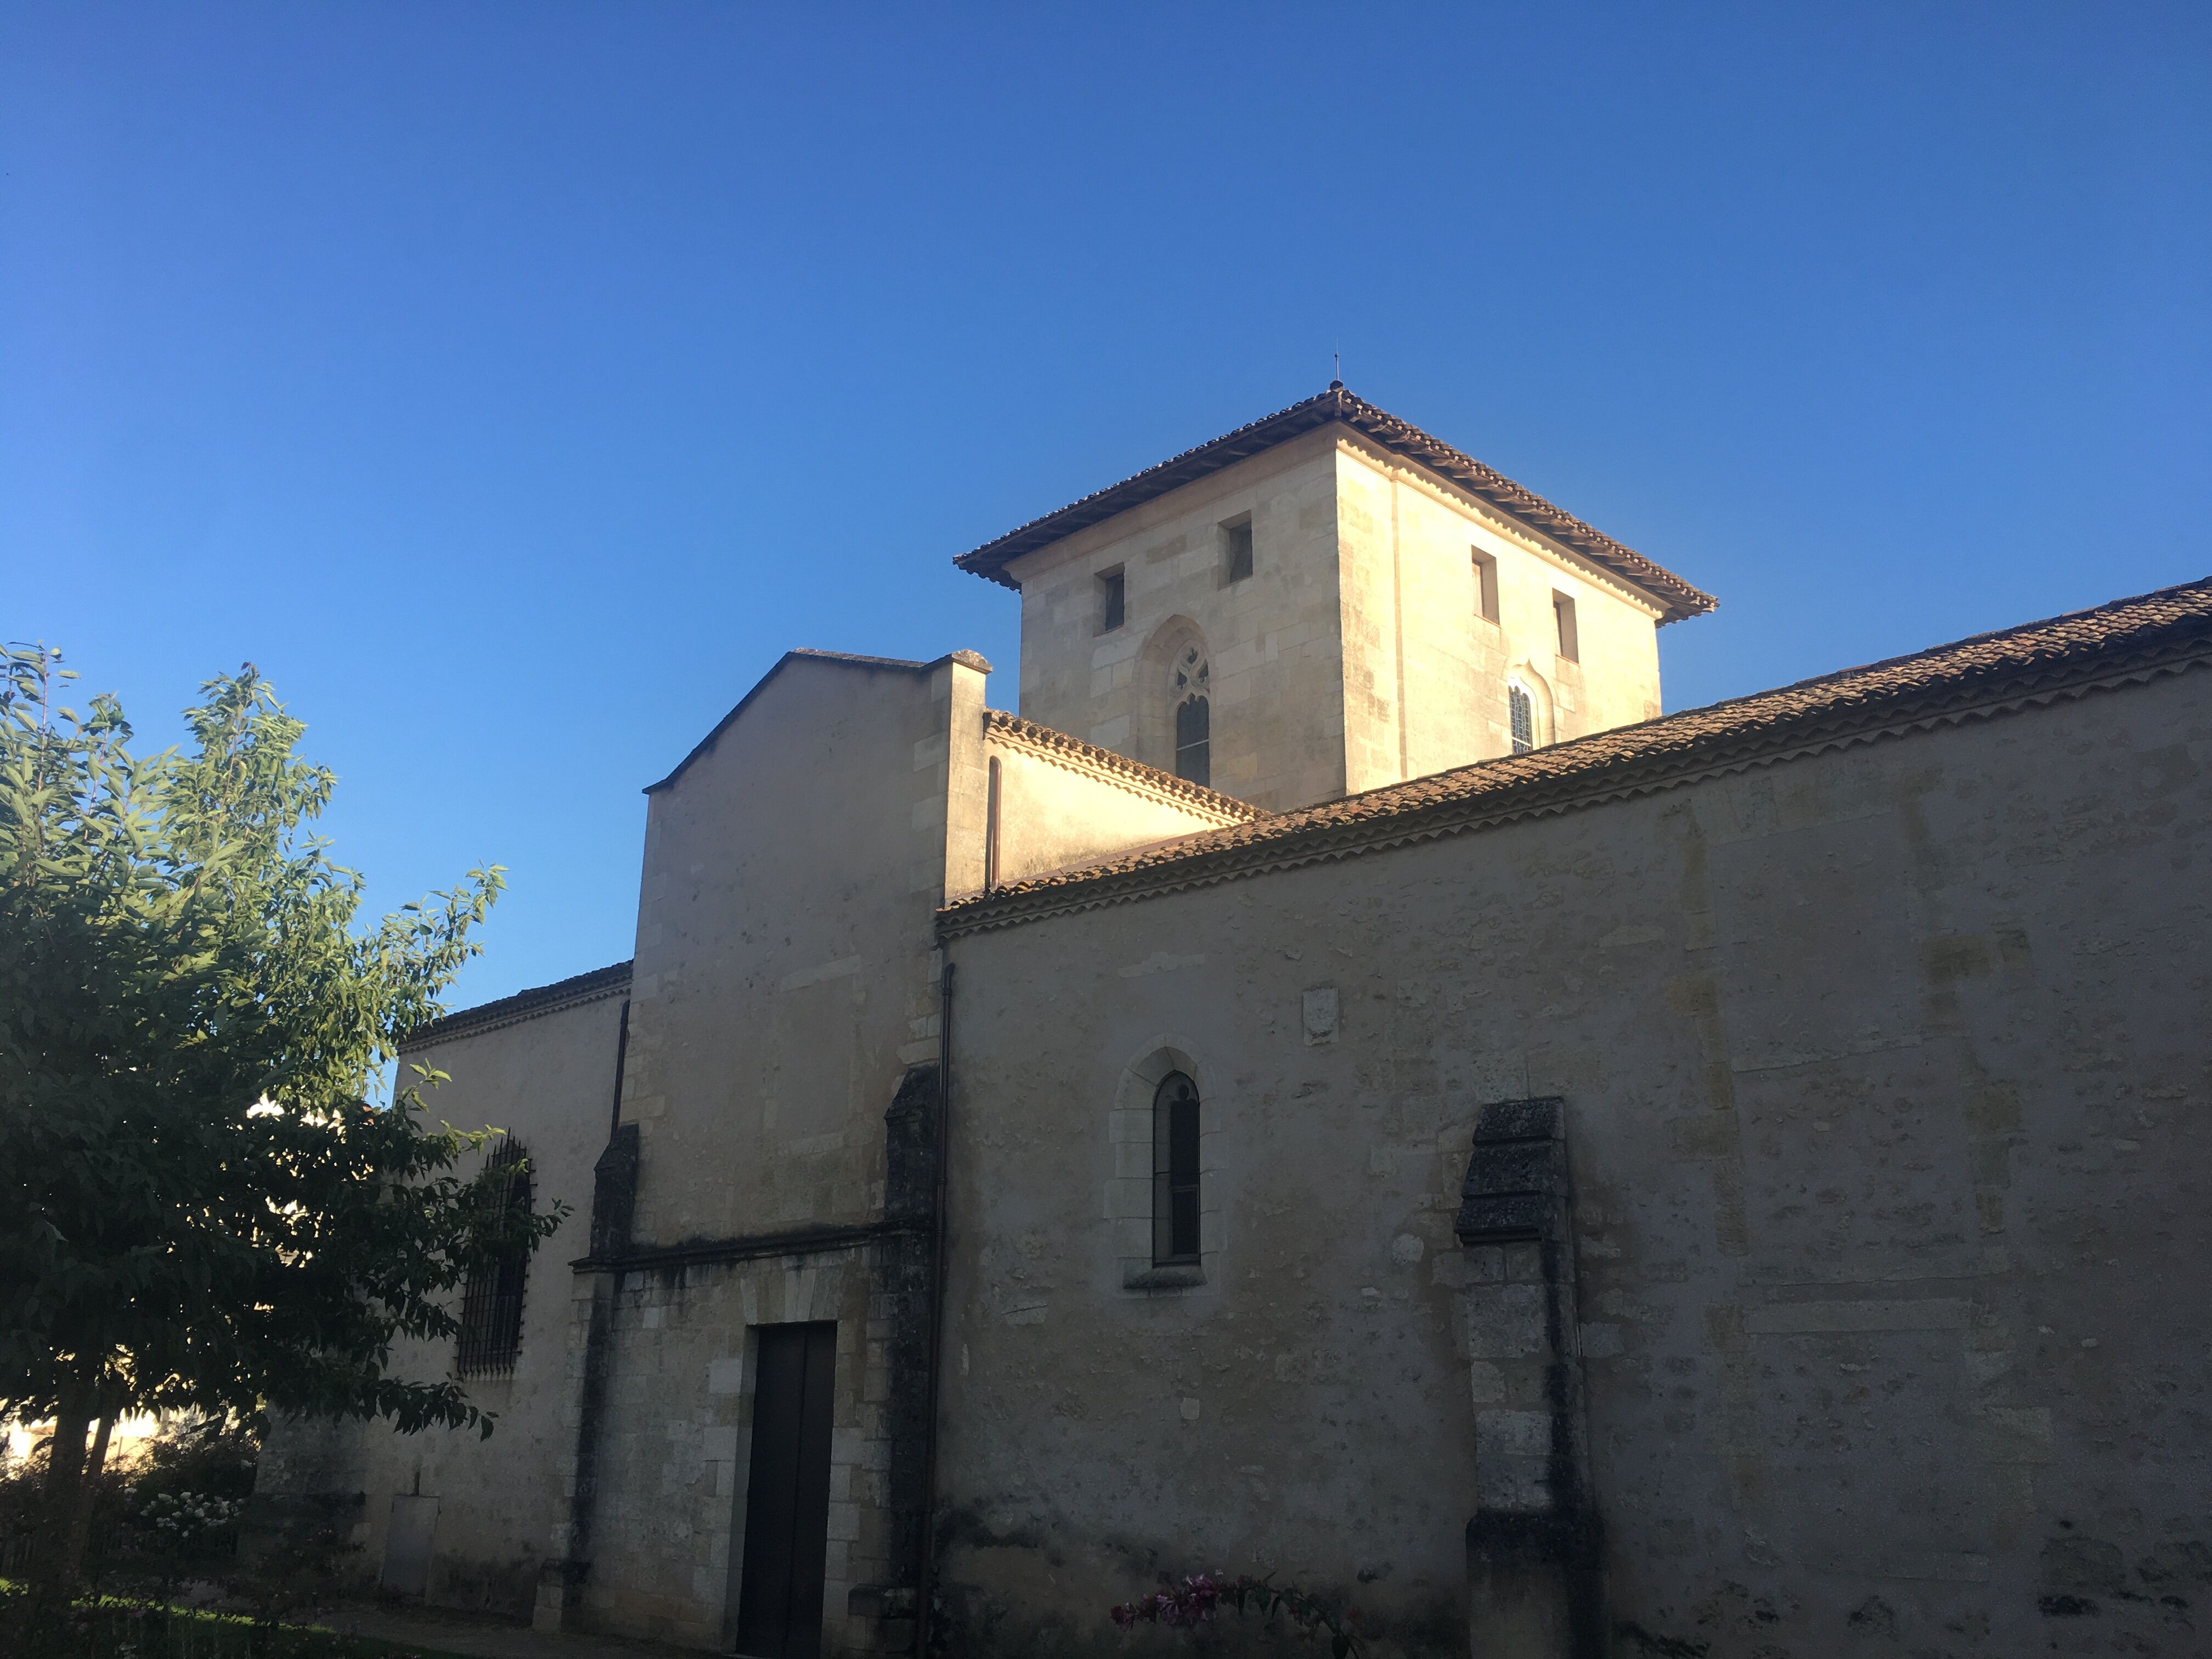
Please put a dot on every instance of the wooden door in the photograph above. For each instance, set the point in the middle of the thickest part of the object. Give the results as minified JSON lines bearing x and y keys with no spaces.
{"x":788,"y":1494}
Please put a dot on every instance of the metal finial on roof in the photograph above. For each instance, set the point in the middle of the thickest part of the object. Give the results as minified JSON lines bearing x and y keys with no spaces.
{"x":1336,"y":383}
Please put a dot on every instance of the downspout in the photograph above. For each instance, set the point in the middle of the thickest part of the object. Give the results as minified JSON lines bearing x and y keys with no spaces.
{"x":924,"y":1609}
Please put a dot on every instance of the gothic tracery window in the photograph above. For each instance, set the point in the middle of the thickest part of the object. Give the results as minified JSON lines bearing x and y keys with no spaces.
{"x":1521,"y":710}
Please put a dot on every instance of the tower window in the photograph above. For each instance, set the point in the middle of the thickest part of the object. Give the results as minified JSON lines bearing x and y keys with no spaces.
{"x":1174,"y":1171}
{"x":1109,"y":600}
{"x":1235,"y":551}
{"x":1195,"y":741}
{"x":1563,"y":618}
{"x":1486,"y":586}
{"x":491,"y":1301}
{"x":1520,"y":711}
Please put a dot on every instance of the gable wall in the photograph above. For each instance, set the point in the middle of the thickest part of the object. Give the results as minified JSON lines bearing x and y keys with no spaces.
{"x":1886,"y":1094}
{"x":782,"y":978}
{"x":783,"y":985}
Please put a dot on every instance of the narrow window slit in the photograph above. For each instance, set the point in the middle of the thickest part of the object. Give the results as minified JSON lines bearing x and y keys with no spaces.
{"x":1175,"y":1172}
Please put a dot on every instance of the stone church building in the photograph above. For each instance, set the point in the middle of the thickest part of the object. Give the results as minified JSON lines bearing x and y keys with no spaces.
{"x":1340,"y":1086}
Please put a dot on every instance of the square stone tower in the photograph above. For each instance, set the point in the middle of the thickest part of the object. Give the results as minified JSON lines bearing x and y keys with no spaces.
{"x":1326,"y":601}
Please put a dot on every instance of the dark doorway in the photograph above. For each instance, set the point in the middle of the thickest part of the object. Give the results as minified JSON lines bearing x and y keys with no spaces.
{"x":788,"y":1494}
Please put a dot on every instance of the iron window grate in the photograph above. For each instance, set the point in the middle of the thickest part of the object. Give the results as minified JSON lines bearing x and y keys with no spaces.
{"x":491,"y":1301}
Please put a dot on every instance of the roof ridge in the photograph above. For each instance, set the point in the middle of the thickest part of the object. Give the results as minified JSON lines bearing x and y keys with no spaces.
{"x":973,"y":659}
{"x":1678,"y":598}
{"x":2166,"y":628}
{"x":1153,"y":777}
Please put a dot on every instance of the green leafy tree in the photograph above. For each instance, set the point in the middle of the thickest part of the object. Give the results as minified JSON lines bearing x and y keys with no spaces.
{"x":199,"y":1206}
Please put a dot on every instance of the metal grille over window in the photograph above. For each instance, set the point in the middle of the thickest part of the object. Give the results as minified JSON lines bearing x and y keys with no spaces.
{"x":491,"y":1303}
{"x":1174,"y":1171}
{"x":1521,"y":709}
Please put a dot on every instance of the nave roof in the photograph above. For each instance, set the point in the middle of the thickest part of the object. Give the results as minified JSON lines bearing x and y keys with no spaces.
{"x":2125,"y":642}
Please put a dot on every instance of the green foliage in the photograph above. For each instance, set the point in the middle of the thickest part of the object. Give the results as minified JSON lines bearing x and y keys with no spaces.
{"x":198,"y":1207}
{"x":215,"y":1457}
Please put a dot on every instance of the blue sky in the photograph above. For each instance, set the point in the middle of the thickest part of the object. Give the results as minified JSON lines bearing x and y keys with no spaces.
{"x":514,"y":383}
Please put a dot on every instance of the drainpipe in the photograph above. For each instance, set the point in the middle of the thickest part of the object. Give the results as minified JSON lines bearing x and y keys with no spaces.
{"x":924,"y":1608}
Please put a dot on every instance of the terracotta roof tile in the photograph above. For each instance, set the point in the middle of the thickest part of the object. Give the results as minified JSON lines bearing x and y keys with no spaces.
{"x":1105,"y":760}
{"x":2127,"y":639}
{"x":525,"y":1005}
{"x":1675,"y":597}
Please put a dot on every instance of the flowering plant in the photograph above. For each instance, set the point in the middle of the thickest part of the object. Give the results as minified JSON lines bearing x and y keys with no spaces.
{"x":182,"y":1519}
{"x":1191,"y":1603}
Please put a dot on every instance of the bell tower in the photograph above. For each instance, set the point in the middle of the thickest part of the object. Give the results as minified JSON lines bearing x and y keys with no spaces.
{"x":1327,"y":601}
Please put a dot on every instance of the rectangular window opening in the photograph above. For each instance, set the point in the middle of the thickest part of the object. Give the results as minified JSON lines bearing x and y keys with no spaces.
{"x":1563,"y":614}
{"x":1235,"y":551}
{"x":1486,"y":586}
{"x":1109,"y":600}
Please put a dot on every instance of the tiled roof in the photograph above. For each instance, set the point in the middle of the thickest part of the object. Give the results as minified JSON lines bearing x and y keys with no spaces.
{"x":1197,"y":795}
{"x":973,"y":659}
{"x":2128,"y":640}
{"x":1675,"y":597}
{"x":525,"y":1005}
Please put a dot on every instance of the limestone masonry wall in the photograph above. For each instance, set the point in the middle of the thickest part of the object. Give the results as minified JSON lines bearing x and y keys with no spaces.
{"x":1056,"y":810}
{"x":1356,"y":653}
{"x":549,"y":1081}
{"x":1884,"y":1082}
{"x":1276,"y":659}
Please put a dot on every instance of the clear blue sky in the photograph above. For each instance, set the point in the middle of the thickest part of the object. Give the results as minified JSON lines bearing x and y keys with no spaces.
{"x":513,"y":383}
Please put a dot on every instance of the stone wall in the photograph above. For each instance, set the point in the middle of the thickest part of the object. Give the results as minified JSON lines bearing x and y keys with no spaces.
{"x":675,"y":1447}
{"x":783,"y":982}
{"x":1355,"y":654}
{"x":549,"y":1080}
{"x":1883,"y":1078}
{"x":1275,"y":656}
{"x":1058,"y":805}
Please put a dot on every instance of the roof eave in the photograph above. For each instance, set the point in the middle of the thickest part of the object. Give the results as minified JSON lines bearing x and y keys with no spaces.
{"x":1675,"y":598}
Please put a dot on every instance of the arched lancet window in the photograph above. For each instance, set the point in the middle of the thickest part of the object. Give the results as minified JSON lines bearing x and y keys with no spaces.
{"x":1175,"y":1171}
{"x":1520,"y":711}
{"x":491,"y":1303}
{"x":1193,"y":716}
